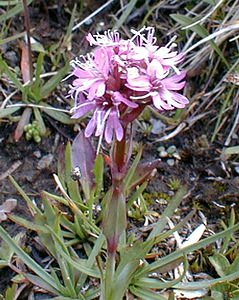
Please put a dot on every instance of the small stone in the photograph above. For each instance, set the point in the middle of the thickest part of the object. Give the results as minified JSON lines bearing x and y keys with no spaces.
{"x":176,"y":155}
{"x":160,"y":148}
{"x":170,"y":162}
{"x":37,"y":154}
{"x":157,"y":126}
{"x":11,"y":57}
{"x":45,"y":162}
{"x":163,"y":153}
{"x":171,"y":193}
{"x":88,"y":22}
{"x":237,"y":169}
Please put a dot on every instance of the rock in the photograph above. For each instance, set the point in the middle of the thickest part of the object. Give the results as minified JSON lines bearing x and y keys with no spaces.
{"x":37,"y":154}
{"x":170,"y":162}
{"x":45,"y":162}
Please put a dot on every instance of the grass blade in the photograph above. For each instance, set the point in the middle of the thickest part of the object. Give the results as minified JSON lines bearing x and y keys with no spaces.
{"x":13,"y":11}
{"x":201,"y":31}
{"x":125,"y":14}
{"x":27,"y":259}
{"x":6,"y":112}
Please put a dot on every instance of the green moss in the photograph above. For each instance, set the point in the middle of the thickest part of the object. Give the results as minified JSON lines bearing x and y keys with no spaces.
{"x":174,"y":184}
{"x":151,"y":197}
{"x":220,"y":186}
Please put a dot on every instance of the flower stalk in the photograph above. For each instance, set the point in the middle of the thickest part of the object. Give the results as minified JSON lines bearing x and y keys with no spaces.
{"x":115,"y":83}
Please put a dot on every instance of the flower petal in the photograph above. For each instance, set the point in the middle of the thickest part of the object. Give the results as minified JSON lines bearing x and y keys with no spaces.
{"x":120,"y":98}
{"x":83,"y":109}
{"x":160,"y":104}
{"x":90,"y":126}
{"x":171,"y":98}
{"x":97,"y":89}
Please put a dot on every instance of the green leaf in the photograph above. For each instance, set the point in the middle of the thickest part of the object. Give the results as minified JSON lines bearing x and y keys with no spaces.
{"x":231,"y":150}
{"x":81,"y":265}
{"x":27,"y":259}
{"x":11,"y":292}
{"x":9,"y":2}
{"x":99,"y":174}
{"x":32,"y":207}
{"x":13,"y":11}
{"x":133,"y":253}
{"x":154,"y":283}
{"x":137,"y":194}
{"x":3,"y":263}
{"x":205,"y":284}
{"x":92,"y":257}
{"x":37,"y":84}
{"x":11,"y":75}
{"x":173,"y":204}
{"x":6,"y":112}
{"x":234,"y":266}
{"x":68,"y":35}
{"x":67,"y":276}
{"x":217,"y":295}
{"x":211,"y":2}
{"x":6,"y":252}
{"x":27,"y":224}
{"x":40,"y":121}
{"x":53,"y":82}
{"x":129,"y":263}
{"x":181,"y":252}
{"x":57,"y":115}
{"x":92,"y":294}
{"x":80,"y":297}
{"x":221,"y":113}
{"x":37,"y":281}
{"x":114,"y":222}
{"x":129,"y":8}
{"x":132,"y":169}
{"x":83,"y":157}
{"x":72,"y":185}
{"x":220,"y":263}
{"x":62,"y":200}
{"x":145,"y":294}
{"x":122,"y":280}
{"x":201,"y":31}
{"x":12,"y":38}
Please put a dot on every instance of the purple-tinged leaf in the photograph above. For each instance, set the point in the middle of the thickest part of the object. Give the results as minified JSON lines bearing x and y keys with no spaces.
{"x":114,"y":222}
{"x":25,"y":117}
{"x":83,"y":157}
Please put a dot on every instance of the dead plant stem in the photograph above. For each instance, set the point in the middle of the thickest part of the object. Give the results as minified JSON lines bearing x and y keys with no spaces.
{"x":27,"y":26}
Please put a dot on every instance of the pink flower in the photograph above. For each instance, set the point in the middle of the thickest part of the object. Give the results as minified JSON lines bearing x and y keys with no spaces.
{"x":147,"y":50}
{"x":121,"y":76}
{"x":92,"y":74}
{"x":160,"y":89}
{"x":106,"y":115}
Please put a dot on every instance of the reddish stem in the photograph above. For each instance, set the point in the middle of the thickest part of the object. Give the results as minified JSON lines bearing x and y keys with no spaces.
{"x":120,"y":155}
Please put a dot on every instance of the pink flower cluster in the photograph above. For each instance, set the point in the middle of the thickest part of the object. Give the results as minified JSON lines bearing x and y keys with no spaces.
{"x":121,"y":76}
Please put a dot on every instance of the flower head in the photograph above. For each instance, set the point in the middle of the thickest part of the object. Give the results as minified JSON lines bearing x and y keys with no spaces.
{"x":121,"y":75}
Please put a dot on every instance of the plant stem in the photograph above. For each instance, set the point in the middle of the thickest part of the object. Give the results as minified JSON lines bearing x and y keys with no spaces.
{"x":115,"y":217}
{"x":109,"y":275}
{"x":27,"y":26}
{"x":119,"y":157}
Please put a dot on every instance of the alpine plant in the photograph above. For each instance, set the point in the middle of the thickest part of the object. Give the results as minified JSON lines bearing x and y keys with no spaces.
{"x":120,"y":77}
